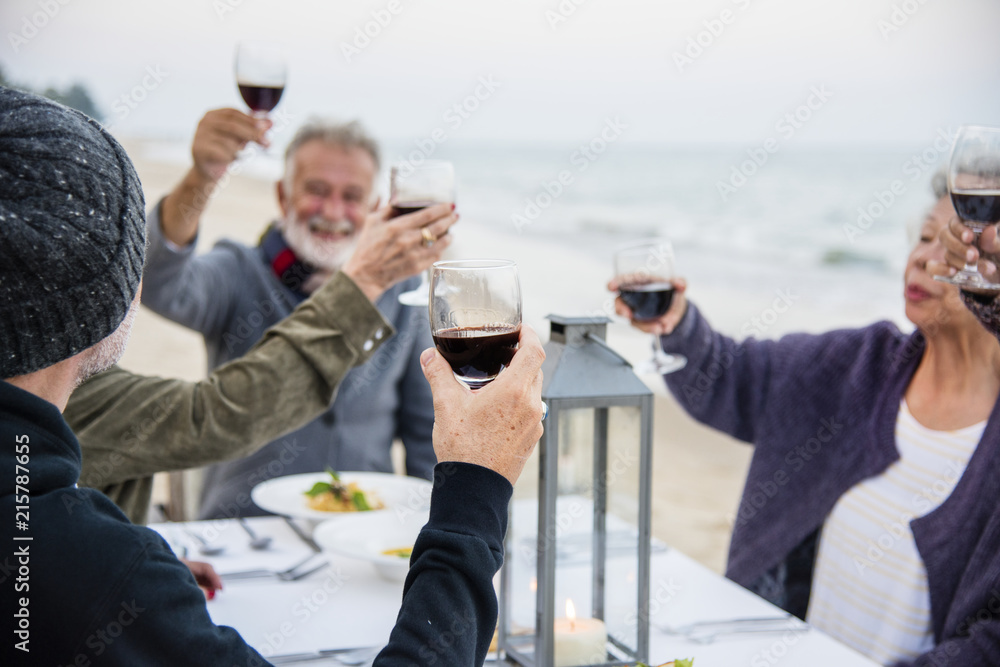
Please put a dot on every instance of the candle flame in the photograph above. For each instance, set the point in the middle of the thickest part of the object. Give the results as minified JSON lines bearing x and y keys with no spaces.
{"x":533,"y":584}
{"x":570,"y":610}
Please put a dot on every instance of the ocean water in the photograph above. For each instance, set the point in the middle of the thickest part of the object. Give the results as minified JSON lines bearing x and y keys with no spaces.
{"x":793,"y":223}
{"x":796,"y":222}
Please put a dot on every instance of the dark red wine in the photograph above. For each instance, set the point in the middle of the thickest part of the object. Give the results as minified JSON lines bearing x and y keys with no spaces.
{"x":477,"y":354}
{"x":649,"y":301}
{"x":402,"y":208}
{"x":261,"y":98}
{"x":978,"y":209}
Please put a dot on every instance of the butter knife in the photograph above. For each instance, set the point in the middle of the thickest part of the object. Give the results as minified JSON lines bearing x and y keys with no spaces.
{"x":302,"y":535}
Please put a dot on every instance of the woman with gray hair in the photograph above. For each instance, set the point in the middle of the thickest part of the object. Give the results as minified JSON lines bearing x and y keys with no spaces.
{"x":871,"y":504}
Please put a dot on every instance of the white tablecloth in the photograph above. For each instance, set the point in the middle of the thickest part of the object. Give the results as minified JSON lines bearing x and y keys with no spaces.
{"x":349,"y":605}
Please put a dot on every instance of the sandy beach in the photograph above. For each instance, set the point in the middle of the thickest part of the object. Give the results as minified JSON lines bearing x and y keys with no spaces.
{"x":698,"y":473}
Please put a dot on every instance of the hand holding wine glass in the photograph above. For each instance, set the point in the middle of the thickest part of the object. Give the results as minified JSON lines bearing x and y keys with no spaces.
{"x":958,"y":241}
{"x":498,"y":426}
{"x":974,"y":184}
{"x":644,"y":278}
{"x":413,"y":188}
{"x":390,"y":249}
{"x":221,"y":135}
{"x":663,"y":325}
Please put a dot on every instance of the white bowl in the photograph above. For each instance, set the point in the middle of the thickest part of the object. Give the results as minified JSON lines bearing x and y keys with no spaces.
{"x":366,"y":536}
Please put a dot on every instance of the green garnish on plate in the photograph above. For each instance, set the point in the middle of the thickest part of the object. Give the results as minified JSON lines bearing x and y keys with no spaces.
{"x":355,"y":497}
{"x":322,"y":487}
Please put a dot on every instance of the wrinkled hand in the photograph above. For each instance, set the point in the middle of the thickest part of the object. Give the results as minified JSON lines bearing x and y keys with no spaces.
{"x":392,"y":249}
{"x":221,"y":135}
{"x":205,"y":575}
{"x":497,"y":426}
{"x":959,"y":245}
{"x":664,"y":325}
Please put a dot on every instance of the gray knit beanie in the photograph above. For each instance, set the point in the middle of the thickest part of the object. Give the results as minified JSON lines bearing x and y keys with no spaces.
{"x":72,"y":233}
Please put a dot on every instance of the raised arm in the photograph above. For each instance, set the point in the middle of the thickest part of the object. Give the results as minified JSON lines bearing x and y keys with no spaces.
{"x":220,"y":136}
{"x":482,"y":440}
{"x":724,"y":384}
{"x":131,"y":426}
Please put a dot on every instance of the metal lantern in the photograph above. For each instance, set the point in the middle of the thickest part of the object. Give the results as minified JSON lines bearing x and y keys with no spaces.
{"x":574,"y":589}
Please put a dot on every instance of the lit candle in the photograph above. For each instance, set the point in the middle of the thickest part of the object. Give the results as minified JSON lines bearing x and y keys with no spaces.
{"x":579,"y":641}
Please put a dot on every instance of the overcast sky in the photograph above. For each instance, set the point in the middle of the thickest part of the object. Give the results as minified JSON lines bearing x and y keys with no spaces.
{"x":889,"y":70}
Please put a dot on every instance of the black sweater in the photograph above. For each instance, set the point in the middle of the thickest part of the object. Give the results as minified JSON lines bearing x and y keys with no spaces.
{"x":99,"y":590}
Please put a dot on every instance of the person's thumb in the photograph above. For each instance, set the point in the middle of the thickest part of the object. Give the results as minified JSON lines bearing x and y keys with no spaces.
{"x":444,"y":386}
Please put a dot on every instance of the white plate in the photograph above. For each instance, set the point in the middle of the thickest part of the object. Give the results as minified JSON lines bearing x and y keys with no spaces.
{"x":287,"y":495}
{"x":365,"y":538}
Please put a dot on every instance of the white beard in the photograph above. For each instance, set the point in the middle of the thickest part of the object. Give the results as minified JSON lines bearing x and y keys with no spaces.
{"x":325,"y":256}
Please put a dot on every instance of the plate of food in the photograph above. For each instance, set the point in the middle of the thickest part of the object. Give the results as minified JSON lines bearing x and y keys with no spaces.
{"x":325,"y":495}
{"x":385,"y":541}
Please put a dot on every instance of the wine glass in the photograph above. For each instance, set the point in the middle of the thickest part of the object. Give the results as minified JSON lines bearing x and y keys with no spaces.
{"x":974,"y":184}
{"x":475,"y":313}
{"x":261,"y":74}
{"x":414,"y":187}
{"x":644,"y":271}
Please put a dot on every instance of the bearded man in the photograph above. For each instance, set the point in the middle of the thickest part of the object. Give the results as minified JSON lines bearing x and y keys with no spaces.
{"x":234,"y":292}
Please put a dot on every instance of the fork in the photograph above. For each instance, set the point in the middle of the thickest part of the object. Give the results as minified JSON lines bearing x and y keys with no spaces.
{"x":288,"y":574}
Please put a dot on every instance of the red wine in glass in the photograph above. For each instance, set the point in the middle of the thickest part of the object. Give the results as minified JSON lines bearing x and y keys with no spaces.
{"x":403,"y":208}
{"x":260,"y":99}
{"x":977,"y":209}
{"x":478,"y":354}
{"x":649,"y":301}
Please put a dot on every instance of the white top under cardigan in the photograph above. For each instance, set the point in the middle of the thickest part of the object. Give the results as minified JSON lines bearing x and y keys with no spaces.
{"x":870,"y":584}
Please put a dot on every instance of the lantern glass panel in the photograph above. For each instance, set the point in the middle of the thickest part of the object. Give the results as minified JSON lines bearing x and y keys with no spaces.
{"x":593,"y":531}
{"x":623,"y":535}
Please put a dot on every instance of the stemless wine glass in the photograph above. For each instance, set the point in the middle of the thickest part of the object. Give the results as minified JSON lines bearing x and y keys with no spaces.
{"x":644,"y":270}
{"x":475,"y":312}
{"x":974,"y":184}
{"x":414,"y":187}
{"x":261,"y":74}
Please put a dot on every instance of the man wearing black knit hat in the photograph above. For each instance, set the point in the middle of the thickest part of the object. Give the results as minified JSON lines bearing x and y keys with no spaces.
{"x":80,"y":584}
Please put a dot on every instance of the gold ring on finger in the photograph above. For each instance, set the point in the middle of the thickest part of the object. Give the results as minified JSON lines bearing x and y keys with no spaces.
{"x":429,"y":238}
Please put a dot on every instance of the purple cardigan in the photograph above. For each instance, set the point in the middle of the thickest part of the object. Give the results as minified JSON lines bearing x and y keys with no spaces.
{"x":821,"y":411}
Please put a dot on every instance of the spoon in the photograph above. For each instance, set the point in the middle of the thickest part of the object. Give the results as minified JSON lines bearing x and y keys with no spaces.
{"x":205,"y":549}
{"x":256,"y":542}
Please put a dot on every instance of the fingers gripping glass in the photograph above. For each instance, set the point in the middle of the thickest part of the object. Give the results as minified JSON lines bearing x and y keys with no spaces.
{"x":475,"y":314}
{"x":644,"y":271}
{"x":415,"y":187}
{"x":974,"y":185}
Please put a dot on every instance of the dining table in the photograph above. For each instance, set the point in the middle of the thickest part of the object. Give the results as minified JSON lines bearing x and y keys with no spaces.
{"x":340,"y":603}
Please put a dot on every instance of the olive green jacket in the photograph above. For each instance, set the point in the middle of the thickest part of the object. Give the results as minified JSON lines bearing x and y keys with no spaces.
{"x":132,"y":426}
